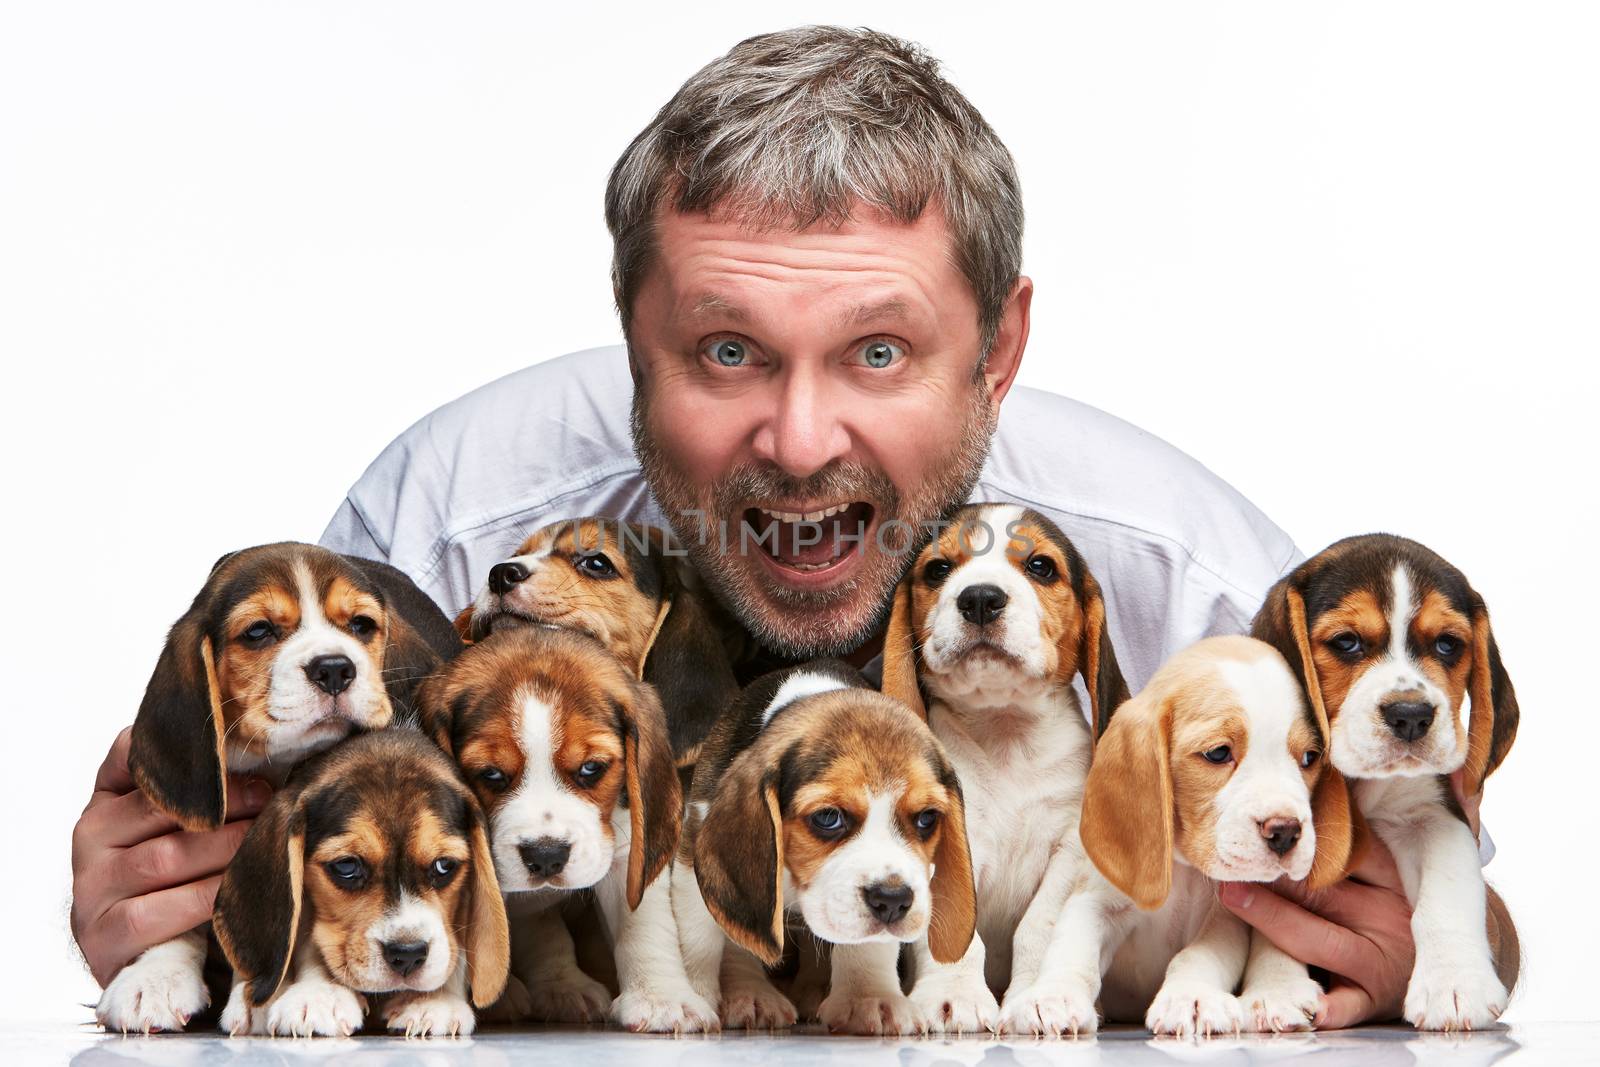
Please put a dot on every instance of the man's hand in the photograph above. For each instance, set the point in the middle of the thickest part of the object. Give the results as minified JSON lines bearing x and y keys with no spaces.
{"x":137,"y":879}
{"x":1359,"y":931}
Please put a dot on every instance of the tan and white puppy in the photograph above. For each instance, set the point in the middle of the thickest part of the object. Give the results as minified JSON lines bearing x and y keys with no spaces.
{"x":630,"y":587}
{"x":819,"y":796}
{"x":286,"y":649}
{"x":989,"y":627}
{"x":1213,"y":772}
{"x":369,"y":873}
{"x":1391,"y":640}
{"x":567,"y":751}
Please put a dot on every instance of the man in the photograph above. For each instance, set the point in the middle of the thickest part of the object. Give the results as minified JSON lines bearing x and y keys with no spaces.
{"x":817,"y":264}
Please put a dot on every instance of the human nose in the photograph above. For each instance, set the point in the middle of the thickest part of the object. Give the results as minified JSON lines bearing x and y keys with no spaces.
{"x":804,"y":430}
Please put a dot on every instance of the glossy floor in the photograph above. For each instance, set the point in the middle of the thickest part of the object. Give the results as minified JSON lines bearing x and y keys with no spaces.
{"x":1518,"y":1046}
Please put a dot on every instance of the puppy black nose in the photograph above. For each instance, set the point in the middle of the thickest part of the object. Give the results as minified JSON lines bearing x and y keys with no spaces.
{"x":1409,"y":719}
{"x":545,"y":857}
{"x":502,"y":576}
{"x":888,"y":902}
{"x":981,"y":604}
{"x":404,"y":957}
{"x":331,"y":674}
{"x":1281,"y":834}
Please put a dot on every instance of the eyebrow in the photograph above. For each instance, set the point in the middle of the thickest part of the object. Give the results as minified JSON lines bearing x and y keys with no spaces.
{"x":892,"y":308}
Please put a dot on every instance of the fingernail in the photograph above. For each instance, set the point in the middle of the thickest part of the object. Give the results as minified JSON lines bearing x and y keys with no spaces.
{"x":1237,"y":894}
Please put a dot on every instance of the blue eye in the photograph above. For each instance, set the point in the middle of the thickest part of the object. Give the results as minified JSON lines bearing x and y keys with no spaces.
{"x":729,"y":353}
{"x":880,"y":354}
{"x":1220,"y":754}
{"x":828,"y":822}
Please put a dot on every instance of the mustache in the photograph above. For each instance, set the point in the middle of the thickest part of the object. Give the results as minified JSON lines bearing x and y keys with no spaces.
{"x":839,"y":480}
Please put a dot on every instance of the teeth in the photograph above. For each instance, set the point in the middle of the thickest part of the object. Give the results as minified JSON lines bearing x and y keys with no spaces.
{"x":809,"y":516}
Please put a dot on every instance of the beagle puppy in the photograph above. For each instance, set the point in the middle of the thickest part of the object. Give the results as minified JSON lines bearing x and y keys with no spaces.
{"x":286,"y":649}
{"x":816,"y":794}
{"x":568,"y":753}
{"x":369,"y":873}
{"x":1214,"y":771}
{"x":988,"y":628}
{"x":630,"y":587}
{"x":1390,"y":641}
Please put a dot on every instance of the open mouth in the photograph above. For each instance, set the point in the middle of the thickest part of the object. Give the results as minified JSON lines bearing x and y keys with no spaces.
{"x":809,"y":542}
{"x":507,"y":618}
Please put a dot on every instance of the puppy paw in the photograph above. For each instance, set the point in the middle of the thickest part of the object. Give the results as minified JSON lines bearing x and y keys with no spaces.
{"x":156,"y":992}
{"x":1462,"y":997}
{"x":1281,"y":1007}
{"x":956,"y":1007}
{"x":871,"y":1014}
{"x":756,"y":1007}
{"x":435,"y":1014}
{"x":513,"y":1006}
{"x":315,"y":1009}
{"x":571,"y":998}
{"x":681,"y":1012}
{"x":1194,"y":1010}
{"x":1055,"y":1012}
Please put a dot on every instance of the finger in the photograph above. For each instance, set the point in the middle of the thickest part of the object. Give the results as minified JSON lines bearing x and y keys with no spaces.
{"x":173,"y":860}
{"x":133,"y":925}
{"x":121,"y":821}
{"x":1377,"y":868}
{"x":1341,"y":1007}
{"x":1307,"y":937}
{"x":1349,"y":903}
{"x":113,"y":775}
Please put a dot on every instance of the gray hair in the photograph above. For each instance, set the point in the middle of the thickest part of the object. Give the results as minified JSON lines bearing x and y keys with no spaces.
{"x":794,"y":128}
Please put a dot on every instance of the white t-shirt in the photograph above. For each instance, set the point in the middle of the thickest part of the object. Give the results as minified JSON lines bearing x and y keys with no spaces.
{"x":1179,"y":553}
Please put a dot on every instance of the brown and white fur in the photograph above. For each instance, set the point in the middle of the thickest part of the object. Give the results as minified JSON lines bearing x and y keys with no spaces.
{"x":1214,"y":771}
{"x":1391,"y":640}
{"x":568,"y":753}
{"x":369,"y":873}
{"x":820,"y":796}
{"x":988,"y":628}
{"x":286,"y":649}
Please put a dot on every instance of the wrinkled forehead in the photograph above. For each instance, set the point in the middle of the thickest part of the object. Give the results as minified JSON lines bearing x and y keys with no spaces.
{"x":636,"y":551}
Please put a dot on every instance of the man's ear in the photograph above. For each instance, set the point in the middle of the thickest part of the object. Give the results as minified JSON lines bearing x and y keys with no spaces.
{"x":1493,"y":723}
{"x":738,"y":856}
{"x":257,"y":912}
{"x":954,"y":915}
{"x":655,"y":796}
{"x":1096,"y":659}
{"x":1127,"y":824}
{"x":488,"y":937}
{"x":687,"y":663}
{"x":1332,"y":814}
{"x":176,"y":752}
{"x":900,"y":660}
{"x":1000,"y":367}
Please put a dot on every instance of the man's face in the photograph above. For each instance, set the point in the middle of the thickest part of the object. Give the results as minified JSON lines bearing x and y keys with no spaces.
{"x":816,"y":398}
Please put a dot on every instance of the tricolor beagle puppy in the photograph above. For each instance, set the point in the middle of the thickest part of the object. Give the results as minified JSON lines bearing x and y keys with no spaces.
{"x":568,"y":753}
{"x":1391,"y":641}
{"x":286,"y":649}
{"x":631,"y":588}
{"x":988,"y":629}
{"x":1214,"y":771}
{"x":369,"y":873}
{"x":818,"y":794}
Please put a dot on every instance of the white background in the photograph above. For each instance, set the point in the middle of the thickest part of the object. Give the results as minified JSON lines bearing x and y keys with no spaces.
{"x":1347,"y":256}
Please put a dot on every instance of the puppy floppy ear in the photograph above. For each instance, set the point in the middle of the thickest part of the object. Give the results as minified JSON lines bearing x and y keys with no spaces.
{"x":738,"y":856}
{"x":1096,"y":659}
{"x":176,"y":753}
{"x":955,"y":908}
{"x":463,"y":623}
{"x":1127,"y":824}
{"x":1333,"y":814}
{"x":488,"y":935}
{"x":436,"y":711}
{"x":1281,"y":623}
{"x":258,"y":905}
{"x":687,"y":662}
{"x":900,"y":660}
{"x":1493,"y":723}
{"x":407,"y":661}
{"x":655,"y":796}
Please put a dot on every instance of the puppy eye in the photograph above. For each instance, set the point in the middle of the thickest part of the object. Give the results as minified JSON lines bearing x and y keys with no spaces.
{"x":590,"y":772}
{"x":937,"y":570}
{"x":363,"y":625}
{"x":597,"y":566}
{"x":828,"y":823}
{"x":1220,"y":754}
{"x":441,"y":870}
{"x":259,"y":633}
{"x":1448,"y":646}
{"x":1310,"y":758}
{"x":1346,"y":644}
{"x":348,"y":872}
{"x":925,"y":821}
{"x":494,"y":778}
{"x":1041,"y":567}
